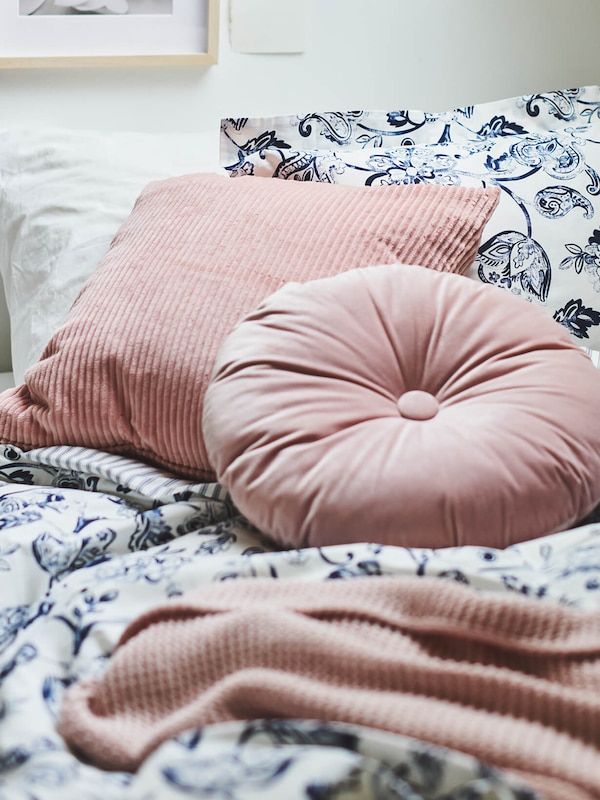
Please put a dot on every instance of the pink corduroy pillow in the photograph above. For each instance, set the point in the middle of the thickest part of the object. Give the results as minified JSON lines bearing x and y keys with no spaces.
{"x":404,"y":406}
{"x":127,"y":371}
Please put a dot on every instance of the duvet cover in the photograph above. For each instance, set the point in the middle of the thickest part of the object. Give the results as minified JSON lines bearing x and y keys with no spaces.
{"x":90,"y":541}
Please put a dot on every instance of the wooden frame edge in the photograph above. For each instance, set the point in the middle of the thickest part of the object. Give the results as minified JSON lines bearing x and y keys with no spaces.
{"x":175,"y":60}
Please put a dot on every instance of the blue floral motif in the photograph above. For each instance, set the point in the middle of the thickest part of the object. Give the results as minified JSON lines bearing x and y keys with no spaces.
{"x":357,"y":570}
{"x":542,"y":151}
{"x":79,"y":622}
{"x":591,"y":109}
{"x":337,"y":130}
{"x":202,"y":518}
{"x":16,"y":618}
{"x":8,"y":520}
{"x":512,"y":261}
{"x":16,"y":475}
{"x":8,"y":550}
{"x":24,"y":654}
{"x":219,"y":543}
{"x":559,"y":104}
{"x":500,"y":126}
{"x":155,"y":567}
{"x":515,"y":584}
{"x":11,"y":453}
{"x":72,"y":479}
{"x":224,"y":777}
{"x":18,"y":756}
{"x":557,"y":201}
{"x":412,"y":166}
{"x":577,"y":318}
{"x":556,"y":155}
{"x":265,"y":141}
{"x":284,"y":731}
{"x":585,"y":259}
{"x":57,"y":555}
{"x":456,"y":575}
{"x":430,"y":767}
{"x":336,"y":127}
{"x":151,"y":530}
{"x":307,"y":167}
{"x":53,"y":689}
{"x":54,"y":633}
{"x":273,"y":757}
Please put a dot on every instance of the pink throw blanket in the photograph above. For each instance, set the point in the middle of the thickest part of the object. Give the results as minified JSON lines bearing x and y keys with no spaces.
{"x":513,"y":682}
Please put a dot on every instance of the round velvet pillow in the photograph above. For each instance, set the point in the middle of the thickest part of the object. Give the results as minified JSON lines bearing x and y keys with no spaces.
{"x":403,"y":406}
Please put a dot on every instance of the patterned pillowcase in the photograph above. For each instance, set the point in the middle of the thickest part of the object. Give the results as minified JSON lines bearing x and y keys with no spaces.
{"x":543,"y":240}
{"x":334,"y":130}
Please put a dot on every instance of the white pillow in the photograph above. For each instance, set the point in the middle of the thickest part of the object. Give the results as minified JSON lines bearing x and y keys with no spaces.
{"x":63,"y":196}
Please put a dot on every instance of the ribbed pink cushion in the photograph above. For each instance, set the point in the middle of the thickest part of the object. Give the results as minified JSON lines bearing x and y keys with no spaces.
{"x":128,"y":369}
{"x":404,"y":406}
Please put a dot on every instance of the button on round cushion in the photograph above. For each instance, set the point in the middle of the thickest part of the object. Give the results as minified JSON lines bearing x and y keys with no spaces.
{"x":418,"y":405}
{"x":403,"y":406}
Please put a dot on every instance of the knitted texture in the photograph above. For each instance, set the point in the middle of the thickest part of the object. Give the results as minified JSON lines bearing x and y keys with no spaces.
{"x":127,"y":371}
{"x":513,"y":682}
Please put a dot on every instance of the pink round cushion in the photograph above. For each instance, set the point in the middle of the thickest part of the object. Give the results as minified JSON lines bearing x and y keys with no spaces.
{"x":403,"y":406}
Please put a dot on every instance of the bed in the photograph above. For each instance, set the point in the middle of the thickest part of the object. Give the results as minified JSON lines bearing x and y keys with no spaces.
{"x":176,"y":621}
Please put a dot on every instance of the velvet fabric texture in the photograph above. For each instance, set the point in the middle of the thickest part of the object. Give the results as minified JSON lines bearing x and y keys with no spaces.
{"x":455,"y":413}
{"x":127,"y":371}
{"x":509,"y":680}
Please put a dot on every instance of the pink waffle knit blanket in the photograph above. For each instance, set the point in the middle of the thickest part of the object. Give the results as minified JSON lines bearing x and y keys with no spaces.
{"x":515,"y":683}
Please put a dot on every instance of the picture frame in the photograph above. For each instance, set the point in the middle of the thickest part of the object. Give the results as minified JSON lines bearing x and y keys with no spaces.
{"x":187,"y":35}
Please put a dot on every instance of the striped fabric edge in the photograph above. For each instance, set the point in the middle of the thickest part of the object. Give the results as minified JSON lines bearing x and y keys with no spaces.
{"x":141,"y":478}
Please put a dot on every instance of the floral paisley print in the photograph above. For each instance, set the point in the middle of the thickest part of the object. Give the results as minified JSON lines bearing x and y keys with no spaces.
{"x":89,"y":541}
{"x":542,"y":150}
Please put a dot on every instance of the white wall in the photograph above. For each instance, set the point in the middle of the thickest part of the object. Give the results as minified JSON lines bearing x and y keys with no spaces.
{"x":432,"y":54}
{"x":429,"y":54}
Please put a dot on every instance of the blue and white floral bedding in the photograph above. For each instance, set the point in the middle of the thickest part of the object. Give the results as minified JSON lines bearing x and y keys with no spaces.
{"x":542,"y":150}
{"x":89,"y":541}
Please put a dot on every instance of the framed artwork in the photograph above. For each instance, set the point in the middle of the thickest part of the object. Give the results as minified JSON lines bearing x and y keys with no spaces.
{"x":94,"y":33}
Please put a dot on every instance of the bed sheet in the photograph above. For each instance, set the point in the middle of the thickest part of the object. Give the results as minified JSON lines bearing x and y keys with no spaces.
{"x":90,"y":541}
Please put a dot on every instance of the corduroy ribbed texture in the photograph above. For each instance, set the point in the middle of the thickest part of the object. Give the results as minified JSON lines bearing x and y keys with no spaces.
{"x":513,"y":682}
{"x":127,"y":371}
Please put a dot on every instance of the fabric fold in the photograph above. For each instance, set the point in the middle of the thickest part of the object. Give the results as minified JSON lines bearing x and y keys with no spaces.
{"x":512,"y":682}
